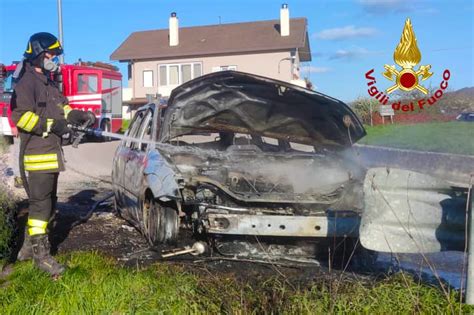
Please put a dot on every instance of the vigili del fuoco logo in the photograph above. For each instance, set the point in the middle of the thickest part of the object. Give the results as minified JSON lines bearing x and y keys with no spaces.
{"x":407,"y":55}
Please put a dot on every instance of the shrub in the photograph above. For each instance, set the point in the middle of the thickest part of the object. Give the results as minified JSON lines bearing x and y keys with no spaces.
{"x":365,"y":107}
{"x":6,"y":224}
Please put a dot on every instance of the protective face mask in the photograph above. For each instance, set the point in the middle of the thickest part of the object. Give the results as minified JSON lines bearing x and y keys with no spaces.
{"x":52,"y":64}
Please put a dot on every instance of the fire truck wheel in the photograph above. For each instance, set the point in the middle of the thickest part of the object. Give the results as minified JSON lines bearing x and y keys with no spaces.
{"x":105,"y":126}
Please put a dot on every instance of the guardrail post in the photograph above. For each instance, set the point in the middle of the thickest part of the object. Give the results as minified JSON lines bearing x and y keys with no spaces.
{"x":470,"y":254}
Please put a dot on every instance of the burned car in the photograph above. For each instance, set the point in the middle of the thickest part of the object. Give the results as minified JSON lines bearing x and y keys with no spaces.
{"x":242,"y":156}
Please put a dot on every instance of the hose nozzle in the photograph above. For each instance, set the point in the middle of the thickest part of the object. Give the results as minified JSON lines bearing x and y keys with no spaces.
{"x":93,"y":132}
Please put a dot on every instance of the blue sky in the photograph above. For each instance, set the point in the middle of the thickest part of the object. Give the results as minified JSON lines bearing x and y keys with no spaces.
{"x":347,"y":38}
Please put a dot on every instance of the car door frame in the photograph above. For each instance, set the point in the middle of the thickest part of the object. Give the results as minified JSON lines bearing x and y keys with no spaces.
{"x":122,"y":155}
{"x":135,"y":164}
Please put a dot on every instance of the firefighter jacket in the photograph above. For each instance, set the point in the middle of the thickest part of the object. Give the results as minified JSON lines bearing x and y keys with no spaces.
{"x":36,"y":103}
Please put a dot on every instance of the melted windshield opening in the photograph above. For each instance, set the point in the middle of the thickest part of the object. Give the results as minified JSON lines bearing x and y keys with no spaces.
{"x":226,"y":141}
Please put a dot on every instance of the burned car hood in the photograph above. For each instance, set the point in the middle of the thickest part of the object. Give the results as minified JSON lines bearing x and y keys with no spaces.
{"x":246,"y":103}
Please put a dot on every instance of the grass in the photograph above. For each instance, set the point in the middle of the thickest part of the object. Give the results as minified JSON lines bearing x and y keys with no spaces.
{"x":95,"y":284}
{"x":450,"y":137}
{"x":125,"y":124}
{"x":6,"y":223}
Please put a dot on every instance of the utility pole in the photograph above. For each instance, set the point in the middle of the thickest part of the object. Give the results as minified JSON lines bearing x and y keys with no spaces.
{"x":60,"y":27}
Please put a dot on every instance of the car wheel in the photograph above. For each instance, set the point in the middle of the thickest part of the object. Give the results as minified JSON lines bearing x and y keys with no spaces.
{"x":160,"y":224}
{"x":106,"y":126}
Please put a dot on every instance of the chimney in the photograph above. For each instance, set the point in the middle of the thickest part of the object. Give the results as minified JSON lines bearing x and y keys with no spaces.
{"x":284,"y":20}
{"x":174,"y":30}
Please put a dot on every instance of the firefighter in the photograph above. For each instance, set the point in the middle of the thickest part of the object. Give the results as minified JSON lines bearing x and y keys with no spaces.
{"x":42,"y":116}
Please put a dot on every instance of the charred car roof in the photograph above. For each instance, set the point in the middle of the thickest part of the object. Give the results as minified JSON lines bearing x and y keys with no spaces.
{"x":245,"y":103}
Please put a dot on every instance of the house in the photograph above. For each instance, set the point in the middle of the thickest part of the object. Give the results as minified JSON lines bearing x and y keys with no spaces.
{"x":160,"y":60}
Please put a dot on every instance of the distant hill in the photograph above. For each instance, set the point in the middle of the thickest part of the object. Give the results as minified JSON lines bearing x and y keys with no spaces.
{"x":457,"y":101}
{"x":467,"y":92}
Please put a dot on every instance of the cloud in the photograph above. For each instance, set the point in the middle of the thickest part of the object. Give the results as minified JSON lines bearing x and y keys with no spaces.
{"x":313,"y":69}
{"x":345,"y":32}
{"x":350,"y":54}
{"x":387,"y":6}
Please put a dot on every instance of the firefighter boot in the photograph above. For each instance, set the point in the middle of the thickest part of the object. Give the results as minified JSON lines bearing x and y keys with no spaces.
{"x":26,"y":252}
{"x":42,"y":258}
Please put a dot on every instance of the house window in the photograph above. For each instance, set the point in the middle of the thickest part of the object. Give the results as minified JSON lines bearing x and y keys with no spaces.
{"x":173,"y":75}
{"x":163,"y":75}
{"x":176,"y":74}
{"x":148,"y":78}
{"x":185,"y":73}
{"x":224,"y":68}
{"x":197,"y":70}
{"x":129,"y":70}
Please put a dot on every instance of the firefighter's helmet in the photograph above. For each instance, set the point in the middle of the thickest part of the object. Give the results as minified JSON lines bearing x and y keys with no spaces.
{"x":42,"y":42}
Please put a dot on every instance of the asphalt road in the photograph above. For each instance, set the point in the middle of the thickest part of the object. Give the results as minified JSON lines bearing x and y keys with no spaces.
{"x":92,"y":159}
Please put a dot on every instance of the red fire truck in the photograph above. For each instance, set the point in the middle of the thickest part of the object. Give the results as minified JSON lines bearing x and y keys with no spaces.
{"x":96,"y":87}
{"x":7,"y":127}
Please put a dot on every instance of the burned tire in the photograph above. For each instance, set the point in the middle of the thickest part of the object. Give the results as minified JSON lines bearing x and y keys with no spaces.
{"x":160,"y":224}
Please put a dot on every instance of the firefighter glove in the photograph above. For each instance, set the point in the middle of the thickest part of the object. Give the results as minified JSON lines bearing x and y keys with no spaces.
{"x":79,"y":117}
{"x":59,"y":127}
{"x":91,"y":119}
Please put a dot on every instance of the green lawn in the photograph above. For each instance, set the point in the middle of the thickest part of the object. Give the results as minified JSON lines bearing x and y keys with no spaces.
{"x":125,"y":124}
{"x":95,"y":284}
{"x":449,"y":137}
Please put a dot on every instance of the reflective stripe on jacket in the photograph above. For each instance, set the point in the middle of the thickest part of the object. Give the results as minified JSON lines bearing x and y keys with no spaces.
{"x":36,"y":103}
{"x":41,"y":162}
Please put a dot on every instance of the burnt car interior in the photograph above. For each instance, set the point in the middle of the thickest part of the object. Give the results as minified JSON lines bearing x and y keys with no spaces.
{"x":228,"y":141}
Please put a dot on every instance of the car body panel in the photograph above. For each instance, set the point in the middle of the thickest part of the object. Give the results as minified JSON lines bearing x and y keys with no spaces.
{"x":161,"y":177}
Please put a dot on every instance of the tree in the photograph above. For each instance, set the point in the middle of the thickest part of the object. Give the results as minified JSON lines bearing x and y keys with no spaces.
{"x":364,"y":107}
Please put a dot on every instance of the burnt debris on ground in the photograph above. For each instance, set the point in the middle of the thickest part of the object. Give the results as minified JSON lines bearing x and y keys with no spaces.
{"x":106,"y":232}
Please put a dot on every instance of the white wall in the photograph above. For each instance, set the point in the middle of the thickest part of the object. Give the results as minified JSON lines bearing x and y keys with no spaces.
{"x":127,"y":94}
{"x":265,"y":64}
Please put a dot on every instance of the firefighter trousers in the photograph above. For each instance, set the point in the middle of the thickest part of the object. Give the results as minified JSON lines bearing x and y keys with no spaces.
{"x":43,"y":198}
